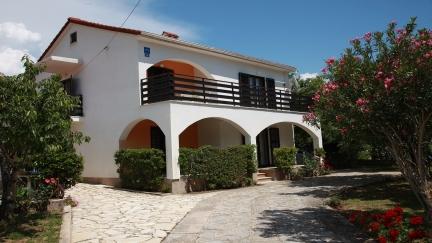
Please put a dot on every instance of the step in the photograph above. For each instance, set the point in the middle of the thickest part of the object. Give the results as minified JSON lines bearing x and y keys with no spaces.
{"x":259,"y":174}
{"x":264,"y":178}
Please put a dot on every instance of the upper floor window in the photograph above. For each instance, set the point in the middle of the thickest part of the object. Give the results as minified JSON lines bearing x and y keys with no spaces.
{"x":257,"y":91}
{"x":73,"y":37}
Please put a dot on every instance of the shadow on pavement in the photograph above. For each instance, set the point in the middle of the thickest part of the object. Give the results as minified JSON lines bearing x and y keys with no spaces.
{"x":307,"y":225}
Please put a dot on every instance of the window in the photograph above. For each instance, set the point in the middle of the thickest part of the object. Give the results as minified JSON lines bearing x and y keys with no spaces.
{"x":73,"y":37}
{"x":257,"y":91}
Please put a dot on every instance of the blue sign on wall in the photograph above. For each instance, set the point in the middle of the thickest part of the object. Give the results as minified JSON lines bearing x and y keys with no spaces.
{"x":147,"y":51}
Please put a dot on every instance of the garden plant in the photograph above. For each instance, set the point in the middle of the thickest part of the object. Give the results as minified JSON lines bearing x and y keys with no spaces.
{"x":35,"y":130}
{"x":381,"y":88}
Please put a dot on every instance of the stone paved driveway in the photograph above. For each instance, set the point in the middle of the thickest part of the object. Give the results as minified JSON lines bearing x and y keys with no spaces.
{"x":105,"y":214}
{"x":275,"y":212}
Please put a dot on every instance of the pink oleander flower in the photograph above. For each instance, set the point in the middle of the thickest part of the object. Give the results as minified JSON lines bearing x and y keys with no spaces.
{"x":368,"y":36}
{"x":379,"y":75}
{"x":362,"y":102}
{"x":330,"y":61}
{"x":309,"y":117}
{"x":330,"y":86}
{"x":316,"y":97}
{"x":324,"y":70}
{"x":388,"y":82}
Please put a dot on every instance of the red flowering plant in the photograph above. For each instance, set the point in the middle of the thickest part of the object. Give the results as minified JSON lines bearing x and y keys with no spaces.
{"x":380,"y":90}
{"x":391,"y":226}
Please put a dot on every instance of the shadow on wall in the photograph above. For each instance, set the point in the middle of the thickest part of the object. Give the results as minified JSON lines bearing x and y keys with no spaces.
{"x":307,"y":225}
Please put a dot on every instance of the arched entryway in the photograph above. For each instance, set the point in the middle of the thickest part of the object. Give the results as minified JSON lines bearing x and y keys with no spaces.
{"x":178,"y":67}
{"x":283,"y":134}
{"x":212,"y":131}
{"x":143,"y":134}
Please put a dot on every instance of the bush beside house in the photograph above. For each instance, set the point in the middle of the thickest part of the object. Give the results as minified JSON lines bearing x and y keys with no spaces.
{"x":285,"y":159}
{"x":216,"y":168}
{"x":141,"y":169}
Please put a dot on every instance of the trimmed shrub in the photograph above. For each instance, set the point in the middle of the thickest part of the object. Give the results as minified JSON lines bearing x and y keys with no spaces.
{"x":312,"y":167}
{"x":219,"y":168}
{"x":285,"y":158}
{"x":141,"y":169}
{"x":64,"y":166}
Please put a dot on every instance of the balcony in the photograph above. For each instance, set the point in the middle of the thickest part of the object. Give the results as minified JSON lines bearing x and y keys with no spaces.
{"x":196,"y":89}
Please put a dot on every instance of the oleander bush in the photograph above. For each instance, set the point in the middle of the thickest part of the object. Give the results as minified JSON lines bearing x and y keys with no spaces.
{"x":219,"y":168}
{"x":285,"y":159}
{"x":141,"y":169}
{"x":392,"y":225}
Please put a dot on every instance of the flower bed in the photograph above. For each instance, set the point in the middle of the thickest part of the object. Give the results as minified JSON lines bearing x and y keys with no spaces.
{"x":392,"y":225}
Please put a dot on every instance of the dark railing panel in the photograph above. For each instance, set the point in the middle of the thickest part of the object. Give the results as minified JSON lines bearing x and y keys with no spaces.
{"x":188,"y":88}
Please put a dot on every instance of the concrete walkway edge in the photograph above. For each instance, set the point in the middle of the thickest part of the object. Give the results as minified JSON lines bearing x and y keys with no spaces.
{"x":66,"y":227}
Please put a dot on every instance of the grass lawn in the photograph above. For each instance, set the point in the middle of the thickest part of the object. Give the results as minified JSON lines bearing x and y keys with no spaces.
{"x":33,"y":228}
{"x":380,"y":196}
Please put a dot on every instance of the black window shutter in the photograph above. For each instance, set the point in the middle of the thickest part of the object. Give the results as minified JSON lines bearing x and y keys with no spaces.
{"x":271,"y":93}
{"x":244,"y":89}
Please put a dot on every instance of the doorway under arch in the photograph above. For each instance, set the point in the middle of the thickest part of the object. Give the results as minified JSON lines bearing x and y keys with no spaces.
{"x":144,"y":134}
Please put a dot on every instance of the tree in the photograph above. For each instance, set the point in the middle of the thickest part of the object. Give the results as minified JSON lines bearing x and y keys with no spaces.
{"x":34,"y":120}
{"x":381,"y":89}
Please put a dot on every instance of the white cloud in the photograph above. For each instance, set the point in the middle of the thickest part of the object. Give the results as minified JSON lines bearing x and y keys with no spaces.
{"x":112,"y":12}
{"x":10,"y":60}
{"x":18,"y":32}
{"x":308,"y":75}
{"x":30,"y":31}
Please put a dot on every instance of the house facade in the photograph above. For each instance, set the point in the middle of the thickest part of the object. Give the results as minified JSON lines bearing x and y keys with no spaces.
{"x":146,"y":90}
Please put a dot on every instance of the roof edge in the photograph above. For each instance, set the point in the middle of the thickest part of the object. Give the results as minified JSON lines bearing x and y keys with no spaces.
{"x":89,"y":24}
{"x":165,"y":39}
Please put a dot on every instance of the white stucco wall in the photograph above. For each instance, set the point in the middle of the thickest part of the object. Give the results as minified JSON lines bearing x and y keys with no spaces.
{"x":286,"y":134}
{"x":219,"y":68}
{"x":110,"y":89}
{"x":218,"y":133}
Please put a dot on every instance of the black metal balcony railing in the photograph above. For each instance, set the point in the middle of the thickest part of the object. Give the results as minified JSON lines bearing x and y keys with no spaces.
{"x":188,"y":88}
{"x":78,"y":111}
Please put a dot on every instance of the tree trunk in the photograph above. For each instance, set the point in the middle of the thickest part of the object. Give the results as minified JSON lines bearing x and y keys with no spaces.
{"x":421,"y":187}
{"x":9,"y":180}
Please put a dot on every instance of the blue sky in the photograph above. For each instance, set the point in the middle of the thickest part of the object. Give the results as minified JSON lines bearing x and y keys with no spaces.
{"x":298,"y":33}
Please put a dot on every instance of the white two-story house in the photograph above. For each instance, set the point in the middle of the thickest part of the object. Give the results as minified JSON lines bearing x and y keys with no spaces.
{"x":148,"y":90}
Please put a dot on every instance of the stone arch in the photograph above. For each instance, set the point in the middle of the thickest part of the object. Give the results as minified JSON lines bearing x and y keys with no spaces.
{"x":203,"y":73}
{"x":231,"y":122}
{"x":314,"y":132}
{"x":137,"y":134}
{"x":215,"y":131}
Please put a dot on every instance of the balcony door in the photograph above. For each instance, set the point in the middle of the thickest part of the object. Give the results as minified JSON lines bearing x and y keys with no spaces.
{"x":155,"y":75}
{"x":257,"y":91}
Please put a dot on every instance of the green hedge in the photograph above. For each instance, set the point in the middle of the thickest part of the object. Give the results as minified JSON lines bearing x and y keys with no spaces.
{"x":66,"y":166}
{"x":285,"y":158}
{"x":219,"y":168}
{"x":141,"y":169}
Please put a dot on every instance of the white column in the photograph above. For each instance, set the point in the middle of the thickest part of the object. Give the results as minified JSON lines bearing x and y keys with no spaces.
{"x":251,"y":139}
{"x":172,"y":154}
{"x":317,"y":139}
